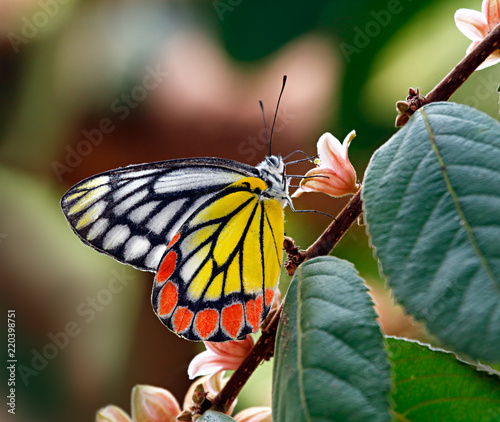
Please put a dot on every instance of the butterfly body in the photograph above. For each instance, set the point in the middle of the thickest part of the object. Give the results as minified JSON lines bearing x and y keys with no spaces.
{"x":211,"y":229}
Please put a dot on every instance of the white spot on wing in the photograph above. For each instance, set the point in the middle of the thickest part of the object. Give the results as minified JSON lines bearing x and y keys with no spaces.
{"x":136,"y":246}
{"x":140,"y":213}
{"x":154,"y":257}
{"x":191,"y":265}
{"x":141,"y":173}
{"x":96,"y":181}
{"x":91,"y":197}
{"x":130,"y":202}
{"x":130,"y":187}
{"x":160,"y":220}
{"x":194,"y":178}
{"x":97,"y":229}
{"x":73,"y":196}
{"x":182,"y":219}
{"x":116,"y":237}
{"x":92,"y":214}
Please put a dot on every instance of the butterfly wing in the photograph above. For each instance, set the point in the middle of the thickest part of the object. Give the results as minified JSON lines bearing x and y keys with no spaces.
{"x":220,"y":271}
{"x":132,"y":213}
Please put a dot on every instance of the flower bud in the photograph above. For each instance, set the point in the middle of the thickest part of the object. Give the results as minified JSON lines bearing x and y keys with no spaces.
{"x":112,"y":414}
{"x":153,"y":404}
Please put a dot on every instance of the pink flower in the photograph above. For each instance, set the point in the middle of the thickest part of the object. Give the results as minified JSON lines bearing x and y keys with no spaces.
{"x":149,"y":404}
{"x":335,"y":175}
{"x":220,"y":357}
{"x":476,"y":25}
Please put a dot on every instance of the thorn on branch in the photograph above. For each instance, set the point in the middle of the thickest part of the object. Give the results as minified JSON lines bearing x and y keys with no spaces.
{"x":406,"y":108}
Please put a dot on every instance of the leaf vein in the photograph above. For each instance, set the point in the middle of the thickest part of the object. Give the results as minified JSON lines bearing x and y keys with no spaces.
{"x":367,"y":360}
{"x":446,"y":399}
{"x":474,"y":166}
{"x":430,"y":376}
{"x":466,"y":226}
{"x":363,"y":394}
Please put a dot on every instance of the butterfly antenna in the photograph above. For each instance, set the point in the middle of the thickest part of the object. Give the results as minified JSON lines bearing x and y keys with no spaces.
{"x":265,"y":125}
{"x":308,"y":158}
{"x":299,"y":176}
{"x":276,"y":112}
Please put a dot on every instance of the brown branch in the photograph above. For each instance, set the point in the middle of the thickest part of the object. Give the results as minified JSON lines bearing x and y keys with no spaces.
{"x":451,"y":82}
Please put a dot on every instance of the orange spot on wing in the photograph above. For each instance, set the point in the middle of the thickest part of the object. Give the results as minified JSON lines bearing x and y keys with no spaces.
{"x":167,"y":267}
{"x":168,"y":299}
{"x":206,"y":322}
{"x":232,"y":319}
{"x":269,"y":296}
{"x":253,"y":311}
{"x":182,"y":318}
{"x":174,"y":239}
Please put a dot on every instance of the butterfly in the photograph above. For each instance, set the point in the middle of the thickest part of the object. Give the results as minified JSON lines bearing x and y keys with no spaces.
{"x":212,"y":230}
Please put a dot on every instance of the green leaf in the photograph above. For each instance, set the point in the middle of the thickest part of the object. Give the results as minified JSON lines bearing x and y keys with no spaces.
{"x":213,"y":416}
{"x":432,"y":205}
{"x":330,"y":363}
{"x":432,"y":385}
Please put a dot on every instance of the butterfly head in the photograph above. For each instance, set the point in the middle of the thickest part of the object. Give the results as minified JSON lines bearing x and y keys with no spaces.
{"x":272,"y":171}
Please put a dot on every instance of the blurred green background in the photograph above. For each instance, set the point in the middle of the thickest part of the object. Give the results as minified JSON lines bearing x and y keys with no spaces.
{"x":90,"y":86}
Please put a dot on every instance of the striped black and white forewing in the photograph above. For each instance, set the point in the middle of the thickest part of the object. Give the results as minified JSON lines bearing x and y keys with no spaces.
{"x":132,"y":213}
